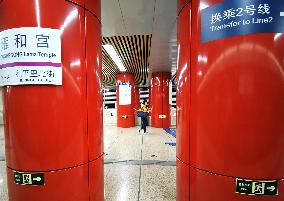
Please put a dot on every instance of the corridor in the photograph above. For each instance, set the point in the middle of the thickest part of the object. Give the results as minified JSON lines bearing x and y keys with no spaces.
{"x":137,"y":166}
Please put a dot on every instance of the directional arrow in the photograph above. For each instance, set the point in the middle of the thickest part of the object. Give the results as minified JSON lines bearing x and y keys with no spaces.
{"x":272,"y":188}
{"x":37,"y":179}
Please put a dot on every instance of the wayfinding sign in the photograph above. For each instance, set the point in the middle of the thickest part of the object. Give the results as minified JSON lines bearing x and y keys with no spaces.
{"x":124,"y":93}
{"x":34,"y":179}
{"x":250,"y":187}
{"x":239,"y":17}
{"x":30,"y":55}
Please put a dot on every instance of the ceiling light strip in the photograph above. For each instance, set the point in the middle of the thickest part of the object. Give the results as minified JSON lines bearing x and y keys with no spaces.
{"x":115,"y":44}
{"x":113,"y":54}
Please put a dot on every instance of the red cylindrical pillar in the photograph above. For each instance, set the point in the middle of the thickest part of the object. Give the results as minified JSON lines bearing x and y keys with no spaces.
{"x":160,"y":104}
{"x":183,"y":99}
{"x":235,"y":115}
{"x":57,"y":130}
{"x":125,"y":100}
{"x":150,"y":95}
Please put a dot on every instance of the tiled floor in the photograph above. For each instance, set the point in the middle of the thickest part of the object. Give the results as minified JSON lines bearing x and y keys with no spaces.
{"x":138,"y":167}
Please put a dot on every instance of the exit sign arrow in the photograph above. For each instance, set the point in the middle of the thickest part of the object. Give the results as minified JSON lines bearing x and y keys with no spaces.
{"x":37,"y":179}
{"x":272,"y":188}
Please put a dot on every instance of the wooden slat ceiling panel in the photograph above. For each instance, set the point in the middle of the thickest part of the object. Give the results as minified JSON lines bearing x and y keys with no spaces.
{"x":174,"y":79}
{"x":134,"y":52}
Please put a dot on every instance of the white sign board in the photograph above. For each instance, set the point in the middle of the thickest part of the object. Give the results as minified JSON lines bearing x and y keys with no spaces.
{"x":124,"y":94}
{"x":30,"y":55}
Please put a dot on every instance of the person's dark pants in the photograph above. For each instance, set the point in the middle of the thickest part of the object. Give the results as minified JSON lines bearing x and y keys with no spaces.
{"x":144,"y":123}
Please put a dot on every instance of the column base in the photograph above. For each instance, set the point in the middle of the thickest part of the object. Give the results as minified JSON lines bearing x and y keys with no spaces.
{"x":128,"y":122}
{"x":182,"y":181}
{"x":206,"y":186}
{"x":82,"y":183}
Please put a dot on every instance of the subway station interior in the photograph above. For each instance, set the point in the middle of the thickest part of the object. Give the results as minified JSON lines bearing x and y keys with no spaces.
{"x":142,"y":100}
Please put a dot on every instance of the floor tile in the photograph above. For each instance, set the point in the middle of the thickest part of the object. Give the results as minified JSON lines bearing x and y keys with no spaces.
{"x":127,"y":145}
{"x":158,"y":183}
{"x":3,"y":182}
{"x":154,"y":146}
{"x":2,"y":143}
{"x":122,"y":183}
{"x":110,"y":135}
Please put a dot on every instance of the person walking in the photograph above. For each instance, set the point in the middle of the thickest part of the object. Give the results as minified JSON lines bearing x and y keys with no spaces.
{"x":144,"y":113}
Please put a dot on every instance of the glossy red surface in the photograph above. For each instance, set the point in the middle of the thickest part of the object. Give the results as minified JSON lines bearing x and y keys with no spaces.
{"x":165,"y":100}
{"x":182,"y":181}
{"x":69,"y":184}
{"x":156,"y":97}
{"x":181,"y":4}
{"x":47,"y":121}
{"x":211,"y":187}
{"x":49,"y":128}
{"x":96,"y":179}
{"x":79,"y":2}
{"x":183,"y":102}
{"x":160,"y":99}
{"x":83,"y":183}
{"x":127,"y":110}
{"x":150,"y":95}
{"x":183,"y":84}
{"x":94,"y":6}
{"x":94,"y":86}
{"x":237,"y":108}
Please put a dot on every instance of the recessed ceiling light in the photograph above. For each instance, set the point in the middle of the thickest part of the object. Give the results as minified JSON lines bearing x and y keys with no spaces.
{"x":112,"y":53}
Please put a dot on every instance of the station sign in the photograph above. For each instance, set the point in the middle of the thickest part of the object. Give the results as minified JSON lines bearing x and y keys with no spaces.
{"x":239,"y":17}
{"x":30,"y":56}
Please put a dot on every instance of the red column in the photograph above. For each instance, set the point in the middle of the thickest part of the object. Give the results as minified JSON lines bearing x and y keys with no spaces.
{"x":160,"y":100}
{"x":234,"y":122}
{"x":183,"y":100}
{"x":150,"y":95}
{"x":125,"y":111}
{"x":57,"y":130}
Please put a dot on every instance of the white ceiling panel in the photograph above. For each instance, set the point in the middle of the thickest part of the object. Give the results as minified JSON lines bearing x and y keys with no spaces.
{"x":138,"y":16}
{"x":112,"y":21}
{"x":164,"y":39}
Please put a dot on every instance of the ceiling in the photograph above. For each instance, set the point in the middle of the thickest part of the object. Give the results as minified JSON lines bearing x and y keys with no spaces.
{"x":148,"y":26}
{"x":134,"y":52}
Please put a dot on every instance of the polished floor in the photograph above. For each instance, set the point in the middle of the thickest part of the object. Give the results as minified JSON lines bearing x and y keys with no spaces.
{"x":138,"y":166}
